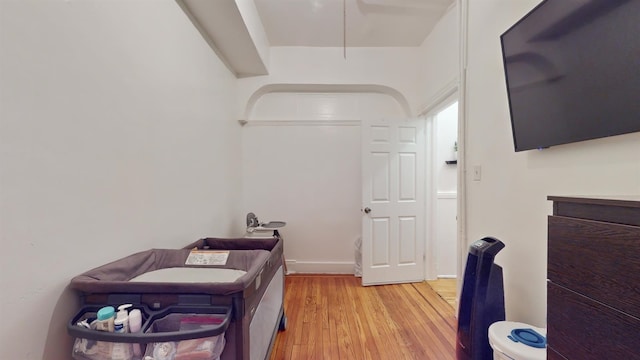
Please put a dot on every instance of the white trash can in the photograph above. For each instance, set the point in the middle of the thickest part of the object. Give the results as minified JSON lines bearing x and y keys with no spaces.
{"x":517,"y":341}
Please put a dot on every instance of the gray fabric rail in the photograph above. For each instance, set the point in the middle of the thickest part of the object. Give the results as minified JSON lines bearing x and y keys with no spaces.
{"x":236,"y":244}
{"x":114,"y":277}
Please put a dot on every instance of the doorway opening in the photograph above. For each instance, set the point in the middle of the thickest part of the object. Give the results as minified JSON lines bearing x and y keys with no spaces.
{"x":442,"y":198}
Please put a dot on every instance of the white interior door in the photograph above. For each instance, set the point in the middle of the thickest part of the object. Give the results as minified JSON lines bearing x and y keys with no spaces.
{"x":393,"y":201}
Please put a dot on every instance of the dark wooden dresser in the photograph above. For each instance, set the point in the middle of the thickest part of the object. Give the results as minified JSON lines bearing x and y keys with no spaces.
{"x":593,"y":289}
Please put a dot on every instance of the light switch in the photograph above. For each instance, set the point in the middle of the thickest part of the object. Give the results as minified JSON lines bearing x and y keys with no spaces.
{"x":477,"y":173}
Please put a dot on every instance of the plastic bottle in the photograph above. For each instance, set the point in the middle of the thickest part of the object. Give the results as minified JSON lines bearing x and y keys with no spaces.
{"x":105,"y":319}
{"x":121,"y":323}
{"x":122,"y":351}
{"x":135,"y":325}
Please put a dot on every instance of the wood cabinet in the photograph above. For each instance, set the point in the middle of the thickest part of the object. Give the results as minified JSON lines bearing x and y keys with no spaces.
{"x":593,"y":290}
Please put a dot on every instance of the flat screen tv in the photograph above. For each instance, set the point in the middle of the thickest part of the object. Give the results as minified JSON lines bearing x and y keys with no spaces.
{"x":573,"y":72}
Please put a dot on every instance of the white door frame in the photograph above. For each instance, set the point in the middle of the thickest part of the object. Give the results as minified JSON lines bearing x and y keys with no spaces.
{"x":463,"y":243}
{"x":444,"y":98}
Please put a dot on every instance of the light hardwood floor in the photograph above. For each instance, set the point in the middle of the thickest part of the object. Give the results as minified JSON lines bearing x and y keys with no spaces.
{"x":446,"y":288}
{"x":335,"y":317}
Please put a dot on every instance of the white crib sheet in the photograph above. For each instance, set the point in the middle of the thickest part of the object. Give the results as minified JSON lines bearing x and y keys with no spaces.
{"x":190,"y":275}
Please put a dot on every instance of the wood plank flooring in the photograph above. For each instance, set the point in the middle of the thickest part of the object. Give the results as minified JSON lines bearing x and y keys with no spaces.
{"x":446,"y":288}
{"x":334,"y":317}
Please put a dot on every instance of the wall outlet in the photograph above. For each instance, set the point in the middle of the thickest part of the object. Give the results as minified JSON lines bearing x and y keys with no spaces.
{"x":477,"y":173}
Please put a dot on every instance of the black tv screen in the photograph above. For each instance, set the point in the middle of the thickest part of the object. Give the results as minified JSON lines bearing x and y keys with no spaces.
{"x":573,"y":72}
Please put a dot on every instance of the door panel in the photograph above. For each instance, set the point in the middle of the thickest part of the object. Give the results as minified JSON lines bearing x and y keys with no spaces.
{"x":380,"y":242}
{"x":408,"y":177}
{"x":407,"y":240}
{"x":380,"y":179}
{"x":393,"y":188}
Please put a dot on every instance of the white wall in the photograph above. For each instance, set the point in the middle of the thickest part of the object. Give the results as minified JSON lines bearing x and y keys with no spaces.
{"x":302,"y":165}
{"x":117,"y":134}
{"x":439,"y":58}
{"x":438,"y":78}
{"x":314,"y":182}
{"x":395,"y":68}
{"x":510,"y":200}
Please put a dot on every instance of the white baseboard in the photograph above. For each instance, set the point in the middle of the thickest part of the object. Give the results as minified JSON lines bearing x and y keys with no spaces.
{"x":447,"y":277}
{"x":320,"y":267}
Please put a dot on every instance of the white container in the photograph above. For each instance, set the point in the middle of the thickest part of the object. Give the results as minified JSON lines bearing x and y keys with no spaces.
{"x":135,"y":325}
{"x":506,"y":349}
{"x":105,"y":319}
{"x":122,"y":351}
{"x":121,"y":323}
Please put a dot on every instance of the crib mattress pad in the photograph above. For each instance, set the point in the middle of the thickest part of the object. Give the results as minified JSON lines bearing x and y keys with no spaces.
{"x":190,"y":275}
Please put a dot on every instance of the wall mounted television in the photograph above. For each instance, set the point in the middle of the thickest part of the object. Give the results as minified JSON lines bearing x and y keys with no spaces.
{"x":572,"y":69}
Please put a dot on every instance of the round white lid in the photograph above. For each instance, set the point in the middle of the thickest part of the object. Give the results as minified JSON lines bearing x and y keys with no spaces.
{"x":499,"y":333}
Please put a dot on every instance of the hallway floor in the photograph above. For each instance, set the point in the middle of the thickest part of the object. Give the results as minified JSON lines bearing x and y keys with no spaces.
{"x":335,"y":317}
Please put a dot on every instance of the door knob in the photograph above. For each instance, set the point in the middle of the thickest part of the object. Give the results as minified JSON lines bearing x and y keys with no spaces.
{"x":367,"y":210}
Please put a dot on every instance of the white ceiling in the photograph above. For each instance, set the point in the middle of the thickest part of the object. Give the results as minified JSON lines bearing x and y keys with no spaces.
{"x":232,"y":27}
{"x":370,"y":23}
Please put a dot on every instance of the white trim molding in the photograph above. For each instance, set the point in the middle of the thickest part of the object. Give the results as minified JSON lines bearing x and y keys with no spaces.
{"x":447,"y":195}
{"x":437,"y":100}
{"x":463,"y":116}
{"x":327,"y":88}
{"x":299,"y":122}
{"x":320,"y":267}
